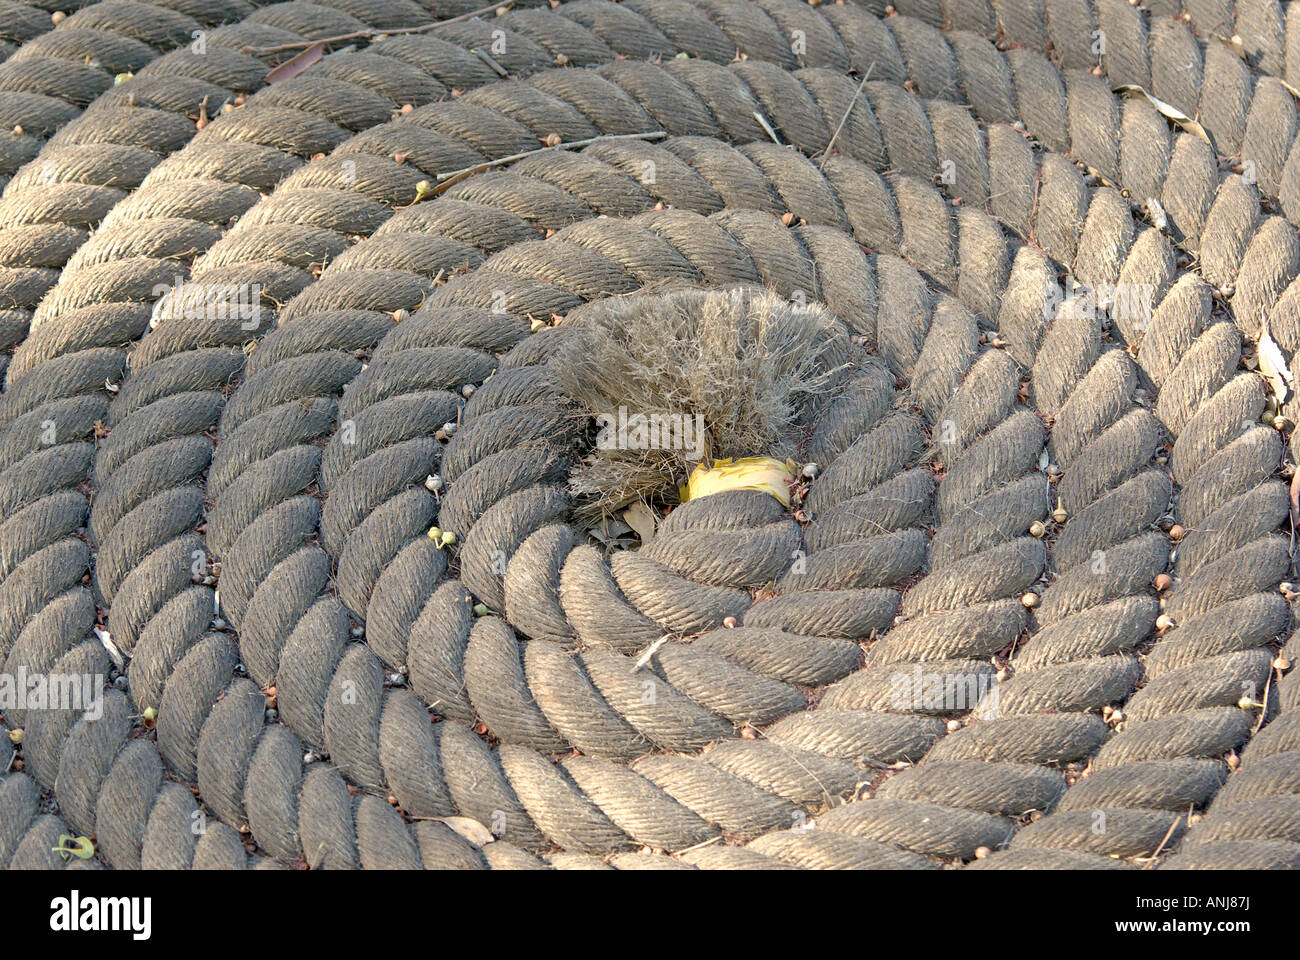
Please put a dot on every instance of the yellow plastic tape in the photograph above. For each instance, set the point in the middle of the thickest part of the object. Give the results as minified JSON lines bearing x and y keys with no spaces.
{"x":746,"y":473}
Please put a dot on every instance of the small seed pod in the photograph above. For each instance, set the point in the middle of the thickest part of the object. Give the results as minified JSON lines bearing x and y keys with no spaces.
{"x":954,"y":726}
{"x":1286,"y":586}
{"x":1280,"y":422}
{"x":16,"y":735}
{"x":1175,"y":533}
{"x":1116,"y":715}
{"x":1037,"y":529}
{"x":537,"y":325}
{"x":467,"y":391}
{"x":435,"y":534}
{"x":1059,"y":514}
{"x":1004,"y":675}
{"x":481,"y":610}
{"x":150,"y":714}
{"x":729,"y":622}
{"x":1163,"y":582}
{"x":449,"y":429}
{"x":982,"y":853}
{"x":1164,"y":621}
{"x":401,"y":315}
{"x":1246,"y":703}
{"x":447,"y":538}
{"x":1282,"y":664}
{"x":433,"y":483}
{"x":811,"y":470}
{"x":1030,"y":599}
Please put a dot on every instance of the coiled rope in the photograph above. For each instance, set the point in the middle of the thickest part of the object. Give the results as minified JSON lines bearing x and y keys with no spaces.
{"x":521,"y":263}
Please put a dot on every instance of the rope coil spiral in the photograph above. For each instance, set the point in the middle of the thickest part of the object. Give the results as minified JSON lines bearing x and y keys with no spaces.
{"x":296,"y":457}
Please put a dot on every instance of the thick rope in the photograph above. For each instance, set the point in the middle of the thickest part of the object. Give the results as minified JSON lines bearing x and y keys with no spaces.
{"x":513,"y":267}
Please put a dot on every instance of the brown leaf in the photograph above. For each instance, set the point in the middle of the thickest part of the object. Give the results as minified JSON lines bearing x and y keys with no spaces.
{"x":297,"y":64}
{"x":641,"y":519}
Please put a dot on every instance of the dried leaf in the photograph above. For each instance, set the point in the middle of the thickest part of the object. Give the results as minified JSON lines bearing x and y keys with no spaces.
{"x":641,"y":519}
{"x":470,"y":829}
{"x":610,"y":531}
{"x":1168,"y":110}
{"x":297,"y":64}
{"x":1272,"y":364}
{"x":114,"y":653}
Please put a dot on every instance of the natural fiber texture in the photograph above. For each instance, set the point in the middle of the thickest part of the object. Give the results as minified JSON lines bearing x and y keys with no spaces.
{"x":748,"y":372}
{"x":1001,"y":446}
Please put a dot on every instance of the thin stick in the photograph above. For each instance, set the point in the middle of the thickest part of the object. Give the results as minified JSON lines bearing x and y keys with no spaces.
{"x":1168,"y":833}
{"x":446,"y":180}
{"x":500,"y":70}
{"x":650,"y":651}
{"x":372,"y":32}
{"x":845,"y":119}
{"x":767,"y":127}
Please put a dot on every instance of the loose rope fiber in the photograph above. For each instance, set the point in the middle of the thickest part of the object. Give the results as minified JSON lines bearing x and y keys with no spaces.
{"x":370,"y":513}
